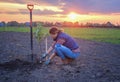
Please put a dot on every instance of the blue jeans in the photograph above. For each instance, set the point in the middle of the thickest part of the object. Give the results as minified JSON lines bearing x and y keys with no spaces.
{"x":64,"y":52}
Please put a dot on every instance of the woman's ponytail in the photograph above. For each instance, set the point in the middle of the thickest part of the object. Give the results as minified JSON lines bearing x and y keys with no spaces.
{"x":54,"y":30}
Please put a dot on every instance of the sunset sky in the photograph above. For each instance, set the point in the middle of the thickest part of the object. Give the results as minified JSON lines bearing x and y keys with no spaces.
{"x":99,"y":11}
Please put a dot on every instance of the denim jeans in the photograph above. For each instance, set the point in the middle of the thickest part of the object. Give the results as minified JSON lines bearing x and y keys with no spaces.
{"x":64,"y":52}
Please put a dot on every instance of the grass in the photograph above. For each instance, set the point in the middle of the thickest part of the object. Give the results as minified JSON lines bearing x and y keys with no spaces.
{"x":18,"y":29}
{"x":110,"y":35}
{"x":15,"y":29}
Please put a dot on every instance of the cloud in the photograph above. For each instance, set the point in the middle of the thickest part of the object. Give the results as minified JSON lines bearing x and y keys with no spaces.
{"x":99,"y":6}
{"x":40,"y":2}
{"x":14,"y":8}
{"x":52,"y":8}
{"x":67,"y":6}
{"x":13,"y":1}
{"x":38,"y":12}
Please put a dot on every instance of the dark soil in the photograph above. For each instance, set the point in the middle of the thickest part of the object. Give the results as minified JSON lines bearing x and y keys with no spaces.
{"x":98,"y":62}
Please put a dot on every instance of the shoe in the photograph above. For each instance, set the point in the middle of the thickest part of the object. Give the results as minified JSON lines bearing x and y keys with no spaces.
{"x":67,"y":60}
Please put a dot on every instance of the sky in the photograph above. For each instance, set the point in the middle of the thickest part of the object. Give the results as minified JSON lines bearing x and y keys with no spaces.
{"x":95,"y":11}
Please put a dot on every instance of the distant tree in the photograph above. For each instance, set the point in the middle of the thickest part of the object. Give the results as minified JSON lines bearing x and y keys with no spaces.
{"x":34,"y":24}
{"x":27,"y":24}
{"x":13,"y":23}
{"x":21,"y":25}
{"x":58,"y":24}
{"x":89,"y":24}
{"x":76,"y":24}
{"x":108,"y":24}
{"x":81,"y":25}
{"x":48,"y":24}
{"x":2,"y":24}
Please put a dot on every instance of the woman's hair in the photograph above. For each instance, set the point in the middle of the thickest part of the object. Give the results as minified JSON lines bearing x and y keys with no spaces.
{"x":54,"y":30}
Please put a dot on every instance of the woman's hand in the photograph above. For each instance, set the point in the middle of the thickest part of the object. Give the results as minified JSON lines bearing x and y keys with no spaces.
{"x":44,"y":55}
{"x":47,"y":62}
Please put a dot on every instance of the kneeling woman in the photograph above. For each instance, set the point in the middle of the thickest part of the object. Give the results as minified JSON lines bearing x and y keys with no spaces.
{"x":63,"y":46}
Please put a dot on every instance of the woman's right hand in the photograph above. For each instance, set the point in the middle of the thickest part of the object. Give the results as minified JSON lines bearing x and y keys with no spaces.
{"x":44,"y":55}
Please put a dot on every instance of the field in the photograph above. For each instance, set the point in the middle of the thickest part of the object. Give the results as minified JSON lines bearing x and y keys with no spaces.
{"x":98,"y":61}
{"x":110,"y":35}
{"x":16,"y":29}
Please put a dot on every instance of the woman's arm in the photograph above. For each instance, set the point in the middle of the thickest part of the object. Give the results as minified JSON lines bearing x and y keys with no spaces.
{"x":49,"y":50}
{"x":52,"y":56}
{"x":60,"y":41}
{"x":51,"y":47}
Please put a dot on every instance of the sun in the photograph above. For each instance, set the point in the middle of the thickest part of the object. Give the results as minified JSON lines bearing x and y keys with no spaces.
{"x":72,"y":16}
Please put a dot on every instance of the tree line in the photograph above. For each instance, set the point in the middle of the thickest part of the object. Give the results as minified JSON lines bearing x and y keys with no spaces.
{"x":59,"y":24}
{"x":16,"y":24}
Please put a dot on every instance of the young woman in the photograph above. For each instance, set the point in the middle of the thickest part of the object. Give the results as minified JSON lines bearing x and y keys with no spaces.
{"x":63,"y":46}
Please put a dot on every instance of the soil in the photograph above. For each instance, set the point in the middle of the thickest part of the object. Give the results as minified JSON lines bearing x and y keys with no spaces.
{"x":98,"y":61}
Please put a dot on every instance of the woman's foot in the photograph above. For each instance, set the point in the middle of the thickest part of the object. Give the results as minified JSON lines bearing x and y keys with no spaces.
{"x":67,"y":60}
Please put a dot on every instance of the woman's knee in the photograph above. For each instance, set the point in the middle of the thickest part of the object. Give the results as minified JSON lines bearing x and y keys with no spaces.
{"x":57,"y":46}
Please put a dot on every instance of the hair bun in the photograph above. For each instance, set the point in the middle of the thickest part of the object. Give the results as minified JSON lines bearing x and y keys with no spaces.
{"x":54,"y":30}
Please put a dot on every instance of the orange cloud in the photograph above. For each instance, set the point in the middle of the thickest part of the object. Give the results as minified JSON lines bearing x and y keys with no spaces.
{"x":52,"y":8}
{"x":14,"y":7}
